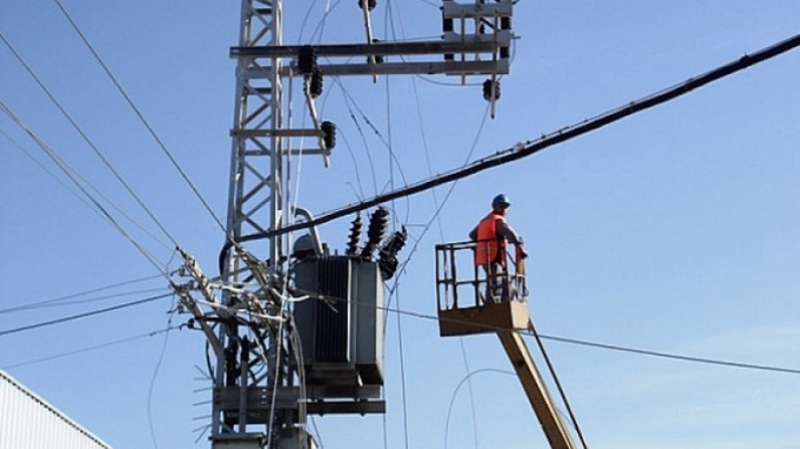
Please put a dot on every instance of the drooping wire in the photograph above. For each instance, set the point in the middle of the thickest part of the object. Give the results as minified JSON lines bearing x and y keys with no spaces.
{"x":140,"y":115}
{"x":374,"y":129}
{"x":86,"y":138}
{"x":319,"y":30}
{"x":360,"y":194}
{"x":150,"y":389}
{"x":466,"y":379}
{"x":471,"y":393}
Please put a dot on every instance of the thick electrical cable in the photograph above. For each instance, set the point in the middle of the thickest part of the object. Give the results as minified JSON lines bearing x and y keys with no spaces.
{"x":83,"y":315}
{"x":529,"y":148}
{"x":86,"y":138}
{"x":139,"y":115}
{"x":89,"y":349}
{"x":68,"y":172}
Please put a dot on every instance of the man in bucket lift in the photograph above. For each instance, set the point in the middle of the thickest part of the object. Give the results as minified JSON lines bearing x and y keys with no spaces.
{"x":492,"y":235}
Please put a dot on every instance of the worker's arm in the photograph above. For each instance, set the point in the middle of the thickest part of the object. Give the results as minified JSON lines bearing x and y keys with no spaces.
{"x":506,"y":231}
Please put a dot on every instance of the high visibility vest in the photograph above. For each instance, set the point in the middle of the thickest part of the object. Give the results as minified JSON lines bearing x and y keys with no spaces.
{"x":491,"y":247}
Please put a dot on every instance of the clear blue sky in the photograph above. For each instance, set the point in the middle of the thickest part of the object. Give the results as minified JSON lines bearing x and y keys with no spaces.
{"x":676,"y":230}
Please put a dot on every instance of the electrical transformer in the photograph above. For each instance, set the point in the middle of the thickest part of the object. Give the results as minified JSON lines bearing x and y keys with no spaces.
{"x":341,"y":331}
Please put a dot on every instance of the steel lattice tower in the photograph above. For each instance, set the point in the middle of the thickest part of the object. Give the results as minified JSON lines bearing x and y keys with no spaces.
{"x":259,"y":397}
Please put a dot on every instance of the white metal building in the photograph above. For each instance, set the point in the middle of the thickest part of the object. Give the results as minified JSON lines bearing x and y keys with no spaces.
{"x":29,"y":422}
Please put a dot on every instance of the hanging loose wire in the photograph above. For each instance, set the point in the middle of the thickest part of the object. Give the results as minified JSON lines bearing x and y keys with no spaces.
{"x":467,"y":379}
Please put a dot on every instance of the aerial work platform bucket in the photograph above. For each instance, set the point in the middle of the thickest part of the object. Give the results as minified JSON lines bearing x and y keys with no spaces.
{"x":482,"y":299}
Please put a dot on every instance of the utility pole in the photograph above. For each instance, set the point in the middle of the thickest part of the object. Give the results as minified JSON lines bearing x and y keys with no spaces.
{"x":260,"y":395}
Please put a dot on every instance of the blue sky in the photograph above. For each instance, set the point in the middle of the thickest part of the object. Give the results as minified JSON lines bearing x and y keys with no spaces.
{"x":674,"y":230}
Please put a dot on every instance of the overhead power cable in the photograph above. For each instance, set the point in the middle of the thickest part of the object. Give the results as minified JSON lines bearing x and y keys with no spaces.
{"x":90,"y":348}
{"x":83,"y":315}
{"x":86,"y":138}
{"x":62,"y":303}
{"x":61,"y":299}
{"x":529,"y":148}
{"x":574,"y":341}
{"x":139,"y":114}
{"x":71,"y":174}
{"x":67,"y":169}
{"x":666,"y":355}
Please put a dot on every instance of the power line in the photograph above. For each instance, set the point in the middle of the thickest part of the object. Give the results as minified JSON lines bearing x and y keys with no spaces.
{"x":83,"y":315}
{"x":67,"y":169}
{"x":86,"y":138}
{"x":489,"y":328}
{"x":529,"y":148}
{"x":139,"y":115}
{"x":61,"y":299}
{"x":90,"y":348}
{"x":71,"y":174}
{"x":667,"y":355}
{"x":40,"y":305}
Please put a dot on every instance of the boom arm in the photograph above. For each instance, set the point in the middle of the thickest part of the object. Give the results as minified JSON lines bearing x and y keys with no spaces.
{"x":552,"y":424}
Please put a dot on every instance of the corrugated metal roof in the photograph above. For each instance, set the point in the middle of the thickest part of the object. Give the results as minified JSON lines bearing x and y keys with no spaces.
{"x":28,"y":421}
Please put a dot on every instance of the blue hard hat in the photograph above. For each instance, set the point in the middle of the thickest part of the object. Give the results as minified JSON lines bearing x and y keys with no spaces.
{"x":501,"y":200}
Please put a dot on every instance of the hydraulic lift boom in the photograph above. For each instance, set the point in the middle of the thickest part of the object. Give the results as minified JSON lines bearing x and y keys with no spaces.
{"x":505,"y":315}
{"x":546,"y":412}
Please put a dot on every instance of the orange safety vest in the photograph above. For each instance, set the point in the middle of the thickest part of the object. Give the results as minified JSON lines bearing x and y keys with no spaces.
{"x":491,"y":247}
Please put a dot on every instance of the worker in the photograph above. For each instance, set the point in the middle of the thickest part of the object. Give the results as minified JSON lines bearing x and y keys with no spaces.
{"x":492,"y":235}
